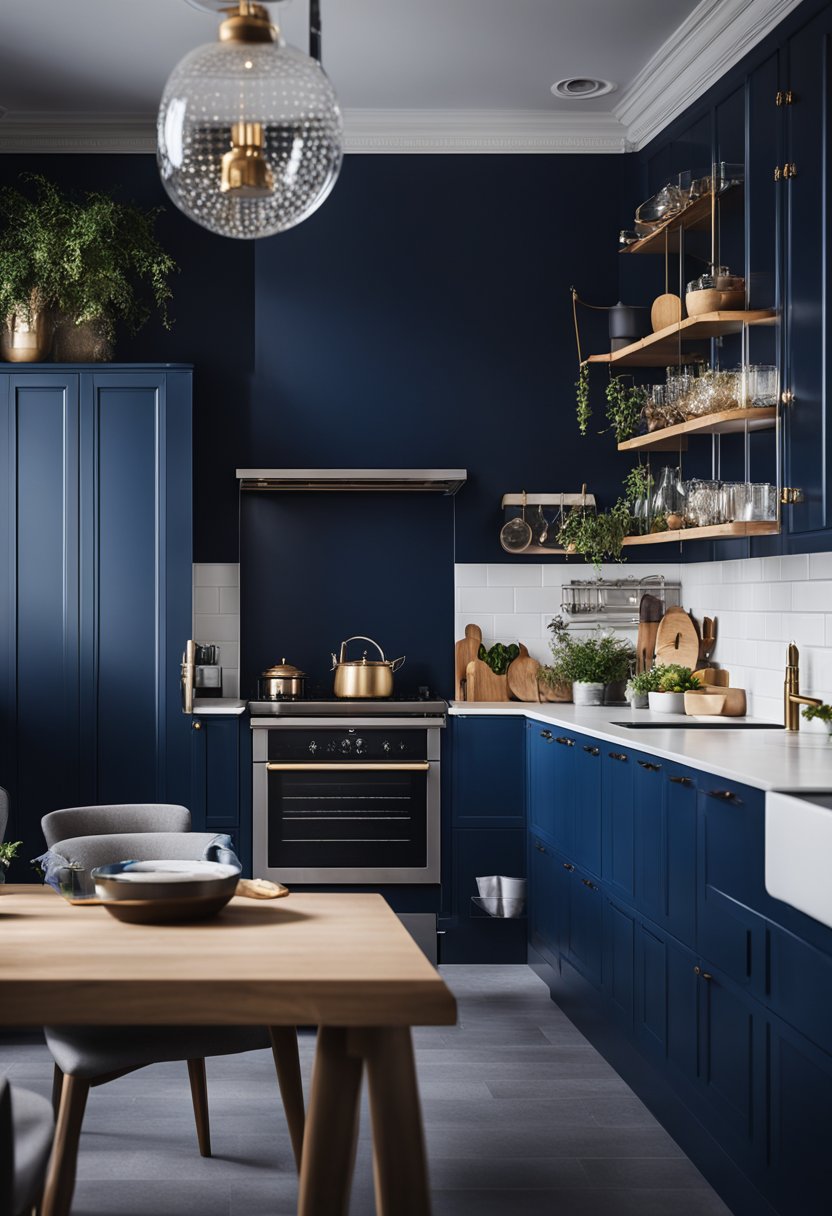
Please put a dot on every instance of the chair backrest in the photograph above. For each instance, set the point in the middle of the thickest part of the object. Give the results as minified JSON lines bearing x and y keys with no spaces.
{"x":4,"y":812}
{"x":104,"y":850}
{"x":6,"y":1149}
{"x":110,"y":820}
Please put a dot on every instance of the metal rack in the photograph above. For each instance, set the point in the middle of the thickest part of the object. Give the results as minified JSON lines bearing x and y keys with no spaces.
{"x":615,"y":601}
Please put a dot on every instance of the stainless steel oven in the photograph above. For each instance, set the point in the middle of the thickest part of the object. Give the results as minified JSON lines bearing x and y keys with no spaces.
{"x":347,"y":796}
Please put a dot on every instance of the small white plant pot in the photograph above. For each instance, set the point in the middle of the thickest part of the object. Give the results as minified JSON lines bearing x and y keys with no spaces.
{"x":588,"y":694}
{"x":638,"y":700}
{"x":667,"y":702}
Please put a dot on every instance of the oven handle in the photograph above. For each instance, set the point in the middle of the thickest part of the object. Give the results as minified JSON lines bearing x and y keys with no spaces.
{"x":416,"y":766}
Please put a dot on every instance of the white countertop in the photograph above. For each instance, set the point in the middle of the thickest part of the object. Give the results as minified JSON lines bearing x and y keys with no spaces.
{"x":219,"y":705}
{"x":767,"y":759}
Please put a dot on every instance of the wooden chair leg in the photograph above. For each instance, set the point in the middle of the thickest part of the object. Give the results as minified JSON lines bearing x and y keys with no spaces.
{"x":329,"y":1147}
{"x":57,"y":1086}
{"x":60,"y":1178}
{"x":287,"y":1064}
{"x":199,"y":1095}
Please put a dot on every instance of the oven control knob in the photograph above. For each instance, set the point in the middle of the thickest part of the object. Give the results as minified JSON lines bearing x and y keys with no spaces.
{"x":359,"y":746}
{"x":346,"y":745}
{"x":402,"y":747}
{"x":385,"y":747}
{"x":313,"y":747}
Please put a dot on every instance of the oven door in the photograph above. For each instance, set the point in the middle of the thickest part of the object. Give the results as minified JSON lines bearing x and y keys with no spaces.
{"x":334,"y":816}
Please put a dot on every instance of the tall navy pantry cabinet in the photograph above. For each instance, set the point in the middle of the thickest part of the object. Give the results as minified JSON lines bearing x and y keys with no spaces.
{"x":95,"y":602}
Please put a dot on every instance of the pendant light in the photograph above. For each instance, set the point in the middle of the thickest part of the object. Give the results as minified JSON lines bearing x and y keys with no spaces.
{"x":249,"y":131}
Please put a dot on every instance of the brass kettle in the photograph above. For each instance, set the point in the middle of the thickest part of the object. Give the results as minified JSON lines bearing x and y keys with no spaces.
{"x":368,"y":678}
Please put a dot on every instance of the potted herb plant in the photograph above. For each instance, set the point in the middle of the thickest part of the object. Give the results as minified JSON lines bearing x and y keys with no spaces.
{"x":8,"y":851}
{"x":80,"y":266}
{"x":592,"y":663}
{"x":674,"y":681}
{"x":640,"y":685}
{"x":823,"y":713}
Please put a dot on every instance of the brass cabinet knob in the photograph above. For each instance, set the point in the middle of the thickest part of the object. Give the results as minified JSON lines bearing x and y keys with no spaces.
{"x":197,"y":725}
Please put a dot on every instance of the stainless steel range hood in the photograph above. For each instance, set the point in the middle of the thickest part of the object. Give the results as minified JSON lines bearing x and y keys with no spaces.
{"x":437,"y":481}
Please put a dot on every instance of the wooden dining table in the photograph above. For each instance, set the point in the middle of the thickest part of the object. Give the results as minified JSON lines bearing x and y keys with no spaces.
{"x":342,"y":962}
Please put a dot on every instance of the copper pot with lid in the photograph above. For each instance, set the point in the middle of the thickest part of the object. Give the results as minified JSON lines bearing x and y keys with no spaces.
{"x":283,"y":682}
{"x":369,"y":678}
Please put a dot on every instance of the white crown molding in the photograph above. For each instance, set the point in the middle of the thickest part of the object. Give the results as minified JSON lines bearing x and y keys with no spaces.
{"x":367,"y":131}
{"x":714,"y":37}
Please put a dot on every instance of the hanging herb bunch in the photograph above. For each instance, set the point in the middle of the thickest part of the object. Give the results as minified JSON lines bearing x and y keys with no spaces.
{"x":625,"y":401}
{"x":598,"y":537}
{"x":583,"y":409}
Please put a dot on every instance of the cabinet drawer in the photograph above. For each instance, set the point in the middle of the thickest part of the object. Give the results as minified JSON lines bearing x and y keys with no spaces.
{"x":799,"y":1115}
{"x":733,"y":938}
{"x":800,"y":986}
{"x":489,"y":772}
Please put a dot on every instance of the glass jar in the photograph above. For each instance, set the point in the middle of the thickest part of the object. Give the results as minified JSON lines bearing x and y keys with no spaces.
{"x":669,"y":497}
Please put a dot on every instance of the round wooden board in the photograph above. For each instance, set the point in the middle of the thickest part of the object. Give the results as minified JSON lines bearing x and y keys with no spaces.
{"x":677,"y":641}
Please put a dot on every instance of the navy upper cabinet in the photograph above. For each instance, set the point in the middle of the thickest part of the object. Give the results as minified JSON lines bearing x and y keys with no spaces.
{"x":96,"y":554}
{"x":489,"y":772}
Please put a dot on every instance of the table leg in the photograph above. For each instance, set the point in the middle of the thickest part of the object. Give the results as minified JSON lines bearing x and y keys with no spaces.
{"x":400,"y":1163}
{"x":331,"y":1127}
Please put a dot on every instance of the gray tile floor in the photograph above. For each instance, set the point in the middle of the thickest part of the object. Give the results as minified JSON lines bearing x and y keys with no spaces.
{"x":522,"y":1118}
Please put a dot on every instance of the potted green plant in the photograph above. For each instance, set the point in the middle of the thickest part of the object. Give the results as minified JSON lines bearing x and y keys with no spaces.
{"x":823,"y":713}
{"x":639,"y":685}
{"x":592,"y":663}
{"x":8,"y":851}
{"x":674,"y":681}
{"x":78,"y":265}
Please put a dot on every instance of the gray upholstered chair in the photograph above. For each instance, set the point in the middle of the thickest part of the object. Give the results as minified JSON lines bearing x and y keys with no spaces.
{"x":26,"y":1128}
{"x":90,"y":1056}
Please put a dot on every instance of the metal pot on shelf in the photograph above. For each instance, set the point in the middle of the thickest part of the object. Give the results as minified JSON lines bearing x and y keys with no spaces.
{"x":368,"y":678}
{"x":283,"y":682}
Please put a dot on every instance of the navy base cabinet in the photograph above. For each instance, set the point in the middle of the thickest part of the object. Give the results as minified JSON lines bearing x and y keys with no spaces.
{"x":221,"y":779}
{"x":95,"y":595}
{"x":488,"y":836}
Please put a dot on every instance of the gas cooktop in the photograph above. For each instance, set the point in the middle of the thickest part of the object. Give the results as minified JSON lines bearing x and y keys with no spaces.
{"x":352,"y":707}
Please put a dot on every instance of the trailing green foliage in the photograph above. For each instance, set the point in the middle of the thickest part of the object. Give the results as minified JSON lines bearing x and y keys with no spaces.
{"x":582,"y":406}
{"x":638,"y":483}
{"x":822,"y":712}
{"x":598,"y":537}
{"x":93,"y":259}
{"x":601,"y":658}
{"x":624,"y":405}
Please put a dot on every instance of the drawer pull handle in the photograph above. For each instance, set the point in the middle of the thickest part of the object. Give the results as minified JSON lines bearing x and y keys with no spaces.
{"x":286,"y":766}
{"x":539,"y":847}
{"x":704,"y":975}
{"x":547,"y":735}
{"x":653,"y":768}
{"x":566,"y":742}
{"x":681,"y":780}
{"x":589,"y":884}
{"x":567,"y":865}
{"x":725,"y":795}
{"x":617,"y":755}
{"x":593,"y":751}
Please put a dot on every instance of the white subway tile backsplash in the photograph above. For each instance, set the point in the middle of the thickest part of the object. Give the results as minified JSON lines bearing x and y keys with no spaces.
{"x":514,"y":576}
{"x":794,"y":568}
{"x":216,"y":574}
{"x":814,"y":596}
{"x":230,"y":601}
{"x":820,"y":565}
{"x":469,"y":574}
{"x":537,"y":599}
{"x":206,"y":599}
{"x":517,"y":626}
{"x":484,"y":599}
{"x":212,"y":627}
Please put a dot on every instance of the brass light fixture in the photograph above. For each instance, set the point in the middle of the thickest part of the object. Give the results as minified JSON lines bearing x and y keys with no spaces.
{"x":249,"y":130}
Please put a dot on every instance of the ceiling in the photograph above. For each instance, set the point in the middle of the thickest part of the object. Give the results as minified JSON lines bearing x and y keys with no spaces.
{"x":400,"y":67}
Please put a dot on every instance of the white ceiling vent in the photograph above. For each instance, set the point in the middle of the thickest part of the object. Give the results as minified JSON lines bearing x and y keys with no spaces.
{"x":578,"y":88}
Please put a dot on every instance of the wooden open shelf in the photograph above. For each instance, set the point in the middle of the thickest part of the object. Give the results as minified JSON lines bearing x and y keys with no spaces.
{"x":666,"y":236}
{"x":726,"y":423}
{"x":714,"y":532}
{"x":662,"y":347}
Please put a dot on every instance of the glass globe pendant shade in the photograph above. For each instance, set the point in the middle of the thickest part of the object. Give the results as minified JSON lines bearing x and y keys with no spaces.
{"x":250,"y":136}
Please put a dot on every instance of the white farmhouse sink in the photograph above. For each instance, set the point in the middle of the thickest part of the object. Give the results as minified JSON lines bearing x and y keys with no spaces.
{"x":799,"y":850}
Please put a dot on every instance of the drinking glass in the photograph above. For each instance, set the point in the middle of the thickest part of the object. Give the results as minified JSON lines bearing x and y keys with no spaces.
{"x":703,"y":505}
{"x":761,"y":503}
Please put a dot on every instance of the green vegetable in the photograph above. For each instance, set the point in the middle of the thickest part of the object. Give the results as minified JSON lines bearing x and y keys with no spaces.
{"x":499,"y":657}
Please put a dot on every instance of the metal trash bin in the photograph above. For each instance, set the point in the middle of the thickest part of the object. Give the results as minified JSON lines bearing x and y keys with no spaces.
{"x":501,"y":896}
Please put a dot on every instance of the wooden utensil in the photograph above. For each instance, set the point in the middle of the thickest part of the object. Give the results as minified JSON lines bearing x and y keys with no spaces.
{"x":677,"y":640}
{"x":521,"y":677}
{"x":713,"y":677}
{"x":464,"y":651}
{"x":708,"y":639}
{"x":649,"y":615}
{"x":483,"y":684}
{"x":666,"y":310}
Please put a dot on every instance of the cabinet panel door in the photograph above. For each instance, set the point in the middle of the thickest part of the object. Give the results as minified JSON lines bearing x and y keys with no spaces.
{"x":540,"y":758}
{"x":733,"y":938}
{"x":478,"y":937}
{"x":665,"y":800}
{"x":666,"y":1001}
{"x":618,"y":823}
{"x":729,"y":1026}
{"x":563,"y":827}
{"x":215,"y":773}
{"x":587,"y":804}
{"x":135,"y":574}
{"x":619,"y":960}
{"x":548,"y":900}
{"x":489,"y":772}
{"x":800,"y":985}
{"x":800,"y":1113}
{"x":586,"y":911}
{"x":730,"y":840}
{"x":39,"y":598}
{"x":807,"y":199}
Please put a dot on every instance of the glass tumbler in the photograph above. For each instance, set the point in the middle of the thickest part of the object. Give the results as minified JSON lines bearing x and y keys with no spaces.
{"x":761,"y":503}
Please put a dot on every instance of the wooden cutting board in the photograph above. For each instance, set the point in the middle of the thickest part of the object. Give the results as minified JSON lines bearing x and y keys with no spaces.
{"x":666,"y":310}
{"x":522,"y":677}
{"x":464,"y":651}
{"x":649,"y":614}
{"x":677,"y":640}
{"x":483,"y":684}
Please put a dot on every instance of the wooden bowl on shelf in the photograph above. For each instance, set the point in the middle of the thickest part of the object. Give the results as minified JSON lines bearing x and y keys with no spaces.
{"x":730,"y":301}
{"x":707,"y":300}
